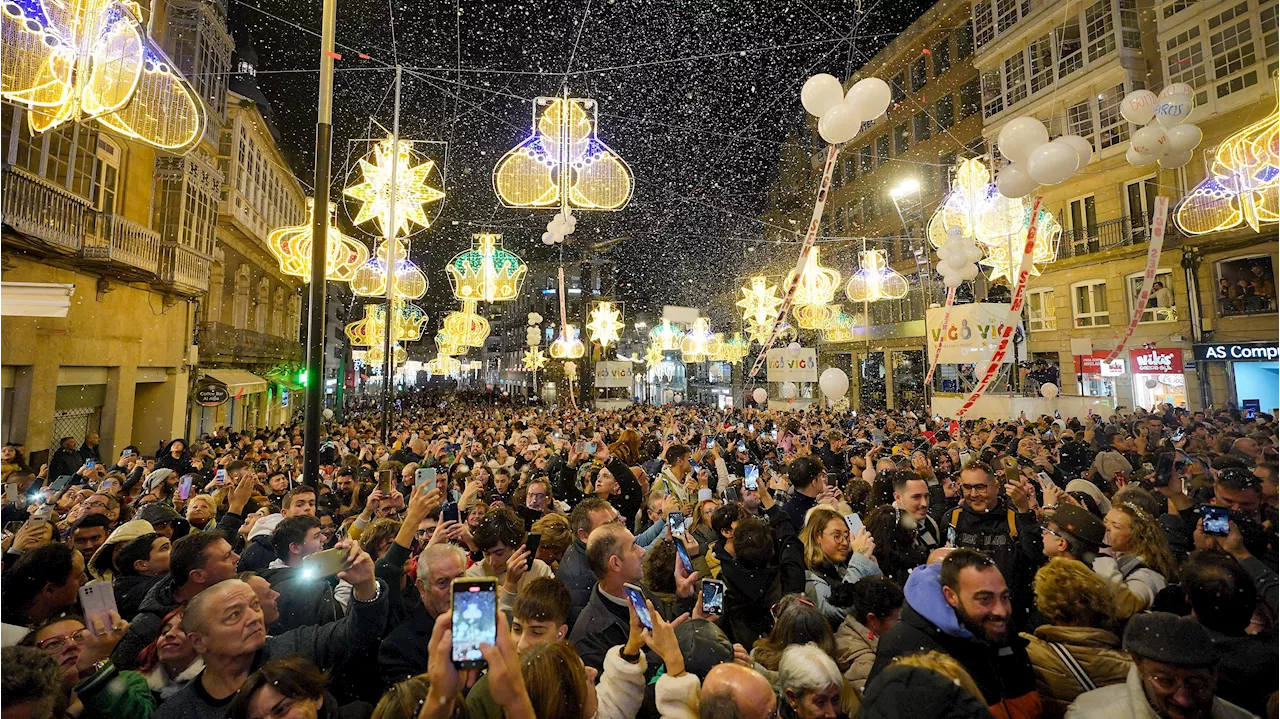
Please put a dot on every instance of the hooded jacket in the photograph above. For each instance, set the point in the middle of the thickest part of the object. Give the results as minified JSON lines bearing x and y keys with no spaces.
{"x":145,"y":626}
{"x":181,"y":465}
{"x":1097,"y":651}
{"x":856,"y":649}
{"x":1002,"y":672}
{"x":747,"y":593}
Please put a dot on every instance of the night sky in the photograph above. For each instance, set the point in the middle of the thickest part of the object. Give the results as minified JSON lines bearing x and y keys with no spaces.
{"x":698,"y":97}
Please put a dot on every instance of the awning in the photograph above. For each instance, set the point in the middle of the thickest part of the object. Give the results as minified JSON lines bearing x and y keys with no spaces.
{"x":238,"y":381}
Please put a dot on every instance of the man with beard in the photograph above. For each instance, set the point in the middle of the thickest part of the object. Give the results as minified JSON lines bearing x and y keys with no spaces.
{"x":961,"y":608}
{"x":904,"y":533}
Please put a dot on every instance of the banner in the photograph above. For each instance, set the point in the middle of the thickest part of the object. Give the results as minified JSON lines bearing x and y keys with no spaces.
{"x":613,"y":374}
{"x":946,"y":322}
{"x":972,"y":331}
{"x":1153,"y":258}
{"x":786,"y":367}
{"x":1157,"y":360}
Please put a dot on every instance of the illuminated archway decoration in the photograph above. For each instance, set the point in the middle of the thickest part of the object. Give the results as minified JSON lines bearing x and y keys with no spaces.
{"x":563,"y":163}
{"x":875,"y":280}
{"x":1243,"y":186}
{"x":79,"y":60}
{"x":408,"y":280}
{"x":605,"y":327}
{"x":466,"y":327}
{"x":534,"y":359}
{"x":413,"y":192}
{"x":566,"y":345}
{"x":760,"y":301}
{"x":699,"y":342}
{"x":292,"y":249}
{"x":487,"y":272}
{"x":408,"y":321}
{"x":817,"y":284}
{"x":443,"y":366}
{"x":666,"y":336}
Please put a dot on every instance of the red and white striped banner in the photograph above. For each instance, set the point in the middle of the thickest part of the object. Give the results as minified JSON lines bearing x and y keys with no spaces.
{"x":1153,"y":259}
{"x":810,"y":236}
{"x":1015,"y":312}
{"x":942,"y":335}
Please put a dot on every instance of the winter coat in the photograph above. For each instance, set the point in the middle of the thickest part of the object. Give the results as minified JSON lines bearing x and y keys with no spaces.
{"x":1133,"y":584}
{"x":1002,"y":672}
{"x":403,"y":654}
{"x":113,"y":694}
{"x":130,"y":591}
{"x":182,"y":465}
{"x":258,"y":552}
{"x":748,"y":594}
{"x":145,"y":626}
{"x":576,"y":574}
{"x":899,"y":549}
{"x":604,"y":623}
{"x":1097,"y":651}
{"x":304,"y":601}
{"x":164,"y":686}
{"x":1011,"y":539}
{"x":1247,"y":669}
{"x":818,"y":583}
{"x":856,"y":649}
{"x":910,"y":692}
{"x":1129,"y":701}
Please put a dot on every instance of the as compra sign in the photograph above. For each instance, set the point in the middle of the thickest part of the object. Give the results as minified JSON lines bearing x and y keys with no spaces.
{"x":1239,"y":351}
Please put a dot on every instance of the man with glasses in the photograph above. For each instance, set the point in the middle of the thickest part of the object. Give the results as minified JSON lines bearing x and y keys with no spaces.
{"x":1174,"y":675}
{"x":537,"y":501}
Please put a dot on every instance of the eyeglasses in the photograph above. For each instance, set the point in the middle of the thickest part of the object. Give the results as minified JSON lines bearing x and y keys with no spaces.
{"x":838,"y":536}
{"x":1169,"y":685}
{"x":95,"y":503}
{"x":58,"y":644}
{"x":973,"y":488}
{"x":1049,"y":530}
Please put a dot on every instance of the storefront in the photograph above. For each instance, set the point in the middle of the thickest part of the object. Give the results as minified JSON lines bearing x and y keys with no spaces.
{"x":1099,"y":378}
{"x":1253,"y":372}
{"x":1157,"y":377}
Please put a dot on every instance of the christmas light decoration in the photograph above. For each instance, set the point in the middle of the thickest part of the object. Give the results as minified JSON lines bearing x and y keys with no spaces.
{"x":606,"y":324}
{"x":443,"y":366}
{"x":447,"y":344}
{"x":760,"y":301}
{"x":292,"y":249}
{"x":653,"y":354}
{"x":699,"y":342}
{"x":563,"y":164}
{"x":376,"y":355}
{"x":759,"y":333}
{"x":79,"y":60}
{"x":666,"y":336}
{"x":817,"y":284}
{"x":1243,"y":186}
{"x":534,"y":359}
{"x":732,"y":350}
{"x":813,"y":317}
{"x":486,"y":272}
{"x":875,"y":280}
{"x":566,"y":345}
{"x":408,"y":281}
{"x":408,"y":321}
{"x":466,"y":327}
{"x":412,"y":189}
{"x":842,"y":329}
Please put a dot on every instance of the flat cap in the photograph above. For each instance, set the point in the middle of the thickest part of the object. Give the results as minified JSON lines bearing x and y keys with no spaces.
{"x":1170,"y":639}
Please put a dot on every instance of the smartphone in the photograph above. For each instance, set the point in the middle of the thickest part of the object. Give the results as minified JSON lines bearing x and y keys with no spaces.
{"x":98,"y":600}
{"x":1045,"y":481}
{"x":385,"y":481}
{"x":773,"y":434}
{"x":475,"y":620}
{"x":675,"y":521}
{"x":1011,"y":472}
{"x":90,"y":464}
{"x":742,"y":446}
{"x":750,"y":477}
{"x":751,"y":428}
{"x":683,"y":554}
{"x":731,"y":495}
{"x":854,"y":522}
{"x":11,"y":492}
{"x":711,"y":442}
{"x":1216,"y":520}
{"x":220,"y":476}
{"x":636,"y":597}
{"x":1166,"y":464}
{"x":43,"y":514}
{"x":712,"y":596}
{"x":449,"y":512}
{"x":324,"y":563}
{"x":427,"y":476}
{"x":1177,"y":435}
{"x":531,"y":543}
{"x":951,"y":537}
{"x":589,"y":447}
{"x":184,"y":487}
{"x":60,"y":483}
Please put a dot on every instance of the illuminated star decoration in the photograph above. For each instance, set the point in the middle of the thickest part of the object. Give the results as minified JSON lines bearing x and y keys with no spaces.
{"x":875,"y":280}
{"x":408,"y":280}
{"x":606,"y":324}
{"x":79,"y":60}
{"x":563,"y":163}
{"x":1243,"y":186}
{"x":486,"y":272}
{"x":567,"y":346}
{"x":653,"y":354}
{"x":534,"y":359}
{"x":412,"y":189}
{"x":292,"y":248}
{"x":760,"y":301}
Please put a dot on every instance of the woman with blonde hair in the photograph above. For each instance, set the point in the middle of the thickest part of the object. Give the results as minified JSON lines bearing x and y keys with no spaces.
{"x":1142,"y":563}
{"x":832,"y":556}
{"x":1077,"y":651}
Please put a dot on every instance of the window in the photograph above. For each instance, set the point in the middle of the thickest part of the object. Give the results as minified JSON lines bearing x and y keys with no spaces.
{"x":1089,"y":304}
{"x":1081,"y":224}
{"x":871,"y":207}
{"x":970,"y":98}
{"x":1246,"y":285}
{"x":983,"y":22}
{"x":1130,"y":34}
{"x":947,"y":165}
{"x":945,"y":113}
{"x":964,"y":40}
{"x":919,"y":73}
{"x":1080,"y":121}
{"x":866,"y":159}
{"x":1176,"y":7}
{"x":1006,"y":14}
{"x":1040,"y":311}
{"x":201,"y":49}
{"x":65,"y":157}
{"x":898,"y":88}
{"x":920,"y":126}
{"x":942,"y":57}
{"x":992,"y":93}
{"x":977,"y":147}
{"x":108,"y":200}
{"x":1041,"y":52}
{"x":1184,"y":55}
{"x":1015,"y":79}
{"x":850,"y":168}
{"x":901,"y":141}
{"x":1100,"y":29}
{"x":855,"y":213}
{"x":1112,"y":128}
{"x":1269,"y":19}
{"x":1139,"y":199}
{"x":1232,"y":49}
{"x":1161,"y":305}
{"x":1070,"y":47}
{"x":882,"y":150}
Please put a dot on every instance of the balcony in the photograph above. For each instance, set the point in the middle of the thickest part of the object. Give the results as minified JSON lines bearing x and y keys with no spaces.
{"x":1107,"y":235}
{"x":1243,"y":306}
{"x":183,"y":270}
{"x":125,"y":247}
{"x":44,"y":212}
{"x":222,"y":340}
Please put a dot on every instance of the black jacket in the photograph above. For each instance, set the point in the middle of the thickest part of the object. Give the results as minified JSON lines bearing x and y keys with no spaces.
{"x":577,"y":576}
{"x":1018,"y":557}
{"x":908,"y":692}
{"x":64,"y":461}
{"x":303,"y":601}
{"x":257,"y":554}
{"x":631,"y":497}
{"x":403,"y":653}
{"x":748,"y":595}
{"x":130,"y":591}
{"x":601,"y":625}
{"x":1247,"y":669}
{"x":146,"y":625}
{"x":898,"y":549}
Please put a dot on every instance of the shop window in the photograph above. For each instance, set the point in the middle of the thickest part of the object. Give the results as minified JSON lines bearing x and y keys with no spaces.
{"x":1040,"y":311}
{"x":1089,"y":304}
{"x":1161,"y":303}
{"x":1246,"y":285}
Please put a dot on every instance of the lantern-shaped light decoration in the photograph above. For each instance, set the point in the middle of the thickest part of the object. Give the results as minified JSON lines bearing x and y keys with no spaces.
{"x":466,"y":327}
{"x":666,"y":336}
{"x":376,"y":355}
{"x":408,"y":321}
{"x":292,"y":249}
{"x":413,"y":191}
{"x":534,"y":359}
{"x":487,"y":272}
{"x":875,"y":280}
{"x":817,"y":284}
{"x":566,"y":345}
{"x":699,"y":342}
{"x":563,"y":162}
{"x":606,"y":324}
{"x":760,"y":301}
{"x":371,"y":278}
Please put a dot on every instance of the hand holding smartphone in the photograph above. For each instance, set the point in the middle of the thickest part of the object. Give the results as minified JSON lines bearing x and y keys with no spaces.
{"x":1216,"y":520}
{"x":425,"y":476}
{"x":683,"y":553}
{"x":531,"y":542}
{"x":475,"y":620}
{"x":751,"y":477}
{"x":635,"y":596}
{"x":325,"y":563}
{"x":712,"y":597}
{"x":98,"y":600}
{"x":675,"y":522}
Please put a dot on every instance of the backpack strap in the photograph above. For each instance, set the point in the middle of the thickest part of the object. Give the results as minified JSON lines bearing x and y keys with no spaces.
{"x":1013,"y":524}
{"x":1073,"y":667}
{"x":1128,"y":564}
{"x":955,"y":517}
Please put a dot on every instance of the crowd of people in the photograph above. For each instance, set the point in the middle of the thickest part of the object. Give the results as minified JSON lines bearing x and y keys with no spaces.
{"x":672,"y":561}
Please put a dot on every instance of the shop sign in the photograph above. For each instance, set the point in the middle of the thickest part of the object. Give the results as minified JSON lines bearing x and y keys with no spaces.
{"x":1156,"y":361}
{"x":1246,"y":351}
{"x":613,"y":374}
{"x":1097,"y":364}
{"x":212,"y":394}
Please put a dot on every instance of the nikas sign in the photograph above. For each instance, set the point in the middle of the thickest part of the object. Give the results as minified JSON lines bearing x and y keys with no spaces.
{"x":1156,"y":361}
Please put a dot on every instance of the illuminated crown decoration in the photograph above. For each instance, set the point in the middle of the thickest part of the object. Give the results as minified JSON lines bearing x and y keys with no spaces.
{"x":376,"y":355}
{"x":466,"y":327}
{"x":994,"y":221}
{"x":486,"y":272}
{"x":408,"y":321}
{"x":875,"y":280}
{"x":760,"y":301}
{"x":814,"y":317}
{"x":731,"y":350}
{"x":563,"y":163}
{"x":370,"y":279}
{"x":77,"y":60}
{"x":292,"y":248}
{"x":841,"y":330}
{"x":448,"y":345}
{"x":566,"y":345}
{"x":534,"y":359}
{"x":606,"y":324}
{"x":699,"y":343}
{"x":412,"y":189}
{"x":666,"y":336}
{"x":1243,"y":186}
{"x":443,"y":366}
{"x":817,"y":284}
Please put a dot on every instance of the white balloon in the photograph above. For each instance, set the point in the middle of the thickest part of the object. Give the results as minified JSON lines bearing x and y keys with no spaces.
{"x":834,"y":383}
{"x":1139,"y":106}
{"x":1139,"y":159}
{"x":945,"y":251}
{"x":794,"y":348}
{"x":1049,"y":389}
{"x":1173,"y":160}
{"x":1176,"y":88}
{"x":1020,"y":136}
{"x":1152,"y":384}
{"x":1150,"y":140}
{"x":1053,"y":162}
{"x":788,"y":390}
{"x":970,"y":272}
{"x":973,"y":253}
{"x":871,"y":96}
{"x":1174,"y":110}
{"x":951,"y":281}
{"x":548,"y":238}
{"x":328,"y":413}
{"x":1184,"y":138}
{"x":840,"y":124}
{"x":1014,"y":181}
{"x":821,"y":93}
{"x":760,"y":395}
{"x":1082,"y":147}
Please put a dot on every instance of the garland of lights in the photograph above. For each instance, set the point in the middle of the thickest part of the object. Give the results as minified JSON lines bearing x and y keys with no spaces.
{"x":292,"y":249}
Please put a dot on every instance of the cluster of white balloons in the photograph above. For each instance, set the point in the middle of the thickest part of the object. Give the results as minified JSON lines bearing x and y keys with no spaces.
{"x":560,"y":227}
{"x":1048,"y":390}
{"x":958,"y":258}
{"x":533,"y":334}
{"x":1036,"y":160}
{"x":840,"y":116}
{"x":788,"y":390}
{"x":1170,"y":140}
